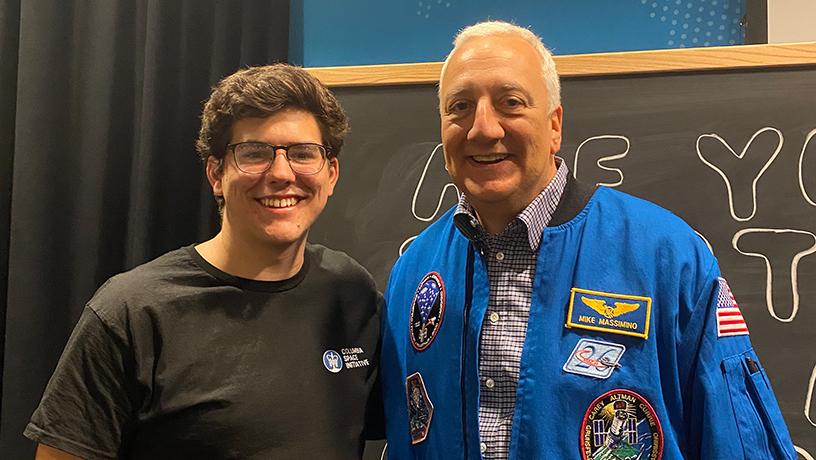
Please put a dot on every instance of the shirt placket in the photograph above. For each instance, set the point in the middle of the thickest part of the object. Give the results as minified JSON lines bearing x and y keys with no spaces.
{"x":509,"y":264}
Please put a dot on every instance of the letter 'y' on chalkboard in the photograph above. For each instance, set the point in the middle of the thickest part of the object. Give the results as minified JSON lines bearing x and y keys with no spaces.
{"x":782,"y":249}
{"x":727,"y":166}
{"x":809,"y":197}
{"x":601,"y":162}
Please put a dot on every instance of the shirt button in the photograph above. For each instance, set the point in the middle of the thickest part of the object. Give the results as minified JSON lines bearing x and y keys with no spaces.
{"x":494,"y":318}
{"x":483,"y":447}
{"x":490,"y":383}
{"x":499,"y":256}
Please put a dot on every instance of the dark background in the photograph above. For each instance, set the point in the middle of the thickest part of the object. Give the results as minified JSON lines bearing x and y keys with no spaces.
{"x":395,"y":131}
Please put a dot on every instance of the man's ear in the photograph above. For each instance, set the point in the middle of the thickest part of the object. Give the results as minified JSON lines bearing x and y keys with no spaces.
{"x":334,"y":174}
{"x":215,"y":170}
{"x":556,"y":120}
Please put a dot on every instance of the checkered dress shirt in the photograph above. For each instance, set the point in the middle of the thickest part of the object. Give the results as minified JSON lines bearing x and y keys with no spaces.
{"x":510,"y":258}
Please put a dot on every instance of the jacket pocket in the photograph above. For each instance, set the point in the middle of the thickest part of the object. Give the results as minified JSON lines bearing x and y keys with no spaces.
{"x":761,"y":426}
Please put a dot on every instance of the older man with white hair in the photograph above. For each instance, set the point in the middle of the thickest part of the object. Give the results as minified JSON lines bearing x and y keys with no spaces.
{"x":544,"y":318}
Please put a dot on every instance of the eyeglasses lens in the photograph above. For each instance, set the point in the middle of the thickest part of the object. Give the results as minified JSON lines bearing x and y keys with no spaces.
{"x":256,"y":157}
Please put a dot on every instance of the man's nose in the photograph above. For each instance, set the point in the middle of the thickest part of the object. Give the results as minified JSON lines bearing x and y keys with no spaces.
{"x":280,"y":168}
{"x":487,"y":125}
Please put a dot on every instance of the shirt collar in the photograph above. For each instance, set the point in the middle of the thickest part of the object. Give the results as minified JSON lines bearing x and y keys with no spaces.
{"x":535,"y":216}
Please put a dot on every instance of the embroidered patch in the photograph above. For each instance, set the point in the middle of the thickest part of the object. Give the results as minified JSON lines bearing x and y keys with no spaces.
{"x":354,"y":357}
{"x":621,"y":424}
{"x":594,"y":358}
{"x":349,"y":358}
{"x":427,"y":310}
{"x":607,"y":312}
{"x":420,"y":408}
{"x":333,"y":361}
{"x":729,"y":317}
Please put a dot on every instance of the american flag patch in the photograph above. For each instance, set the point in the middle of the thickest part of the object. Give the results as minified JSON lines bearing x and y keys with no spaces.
{"x":729,"y":318}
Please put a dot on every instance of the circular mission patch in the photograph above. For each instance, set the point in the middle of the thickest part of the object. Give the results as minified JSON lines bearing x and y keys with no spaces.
{"x":427,"y":310}
{"x":621,"y":425}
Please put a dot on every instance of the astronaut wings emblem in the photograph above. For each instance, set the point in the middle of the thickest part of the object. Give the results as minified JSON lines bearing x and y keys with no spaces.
{"x":601,"y":307}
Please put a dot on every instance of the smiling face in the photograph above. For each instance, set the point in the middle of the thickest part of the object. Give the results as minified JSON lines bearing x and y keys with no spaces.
{"x":498,"y":134}
{"x":275,"y":208}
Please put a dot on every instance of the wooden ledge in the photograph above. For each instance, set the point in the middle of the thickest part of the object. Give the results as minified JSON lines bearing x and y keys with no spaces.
{"x":590,"y":65}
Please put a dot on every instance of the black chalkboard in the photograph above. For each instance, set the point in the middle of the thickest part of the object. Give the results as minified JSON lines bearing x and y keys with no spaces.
{"x":731,"y":152}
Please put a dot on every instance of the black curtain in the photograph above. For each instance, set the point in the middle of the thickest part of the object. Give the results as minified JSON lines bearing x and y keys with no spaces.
{"x":99,"y":105}
{"x":9,"y":13}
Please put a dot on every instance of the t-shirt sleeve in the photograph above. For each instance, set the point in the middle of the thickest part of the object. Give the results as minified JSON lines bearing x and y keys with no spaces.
{"x":89,"y":401}
{"x":732,"y":410}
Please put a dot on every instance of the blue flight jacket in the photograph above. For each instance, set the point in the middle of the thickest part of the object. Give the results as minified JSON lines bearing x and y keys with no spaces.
{"x":679,"y":390}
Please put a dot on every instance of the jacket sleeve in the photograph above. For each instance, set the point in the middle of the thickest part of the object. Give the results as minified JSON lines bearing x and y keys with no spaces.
{"x":730,"y":409}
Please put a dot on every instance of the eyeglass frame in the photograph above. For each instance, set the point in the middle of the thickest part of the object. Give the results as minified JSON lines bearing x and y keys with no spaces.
{"x":327,"y":155}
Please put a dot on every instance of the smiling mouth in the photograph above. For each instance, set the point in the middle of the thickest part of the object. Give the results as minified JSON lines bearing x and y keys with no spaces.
{"x":279,"y":202}
{"x":488,"y":159}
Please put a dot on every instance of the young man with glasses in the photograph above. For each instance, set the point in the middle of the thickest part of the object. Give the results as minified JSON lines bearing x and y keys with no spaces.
{"x":254,"y":344}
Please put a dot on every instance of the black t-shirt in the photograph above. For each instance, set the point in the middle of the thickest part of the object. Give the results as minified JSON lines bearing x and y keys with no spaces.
{"x":176,"y":359}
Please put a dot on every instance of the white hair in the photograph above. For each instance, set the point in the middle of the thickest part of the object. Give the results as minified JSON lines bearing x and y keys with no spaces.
{"x":493,"y":28}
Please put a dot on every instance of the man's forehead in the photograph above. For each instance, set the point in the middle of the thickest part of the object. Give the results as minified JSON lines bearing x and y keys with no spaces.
{"x":490,"y":67}
{"x":495,"y":46}
{"x":478,"y":55}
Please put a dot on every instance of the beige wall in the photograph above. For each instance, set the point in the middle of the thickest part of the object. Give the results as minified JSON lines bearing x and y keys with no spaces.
{"x":791,"y":21}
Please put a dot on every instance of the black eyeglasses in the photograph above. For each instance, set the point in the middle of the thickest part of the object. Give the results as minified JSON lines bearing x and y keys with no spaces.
{"x":257,"y":157}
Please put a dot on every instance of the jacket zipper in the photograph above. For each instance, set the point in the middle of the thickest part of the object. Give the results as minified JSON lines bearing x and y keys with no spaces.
{"x":463,"y":366}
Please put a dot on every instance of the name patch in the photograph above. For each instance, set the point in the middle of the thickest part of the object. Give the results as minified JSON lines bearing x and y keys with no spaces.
{"x":621,"y":424}
{"x":594,"y":358}
{"x":607,"y":312}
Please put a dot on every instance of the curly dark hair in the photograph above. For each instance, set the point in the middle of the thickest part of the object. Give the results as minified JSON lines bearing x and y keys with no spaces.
{"x":258,"y":92}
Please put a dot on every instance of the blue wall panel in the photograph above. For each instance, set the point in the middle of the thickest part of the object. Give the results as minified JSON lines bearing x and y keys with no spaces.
{"x":353,"y":32}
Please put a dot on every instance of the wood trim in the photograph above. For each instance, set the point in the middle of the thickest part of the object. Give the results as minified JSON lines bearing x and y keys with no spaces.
{"x":591,"y":65}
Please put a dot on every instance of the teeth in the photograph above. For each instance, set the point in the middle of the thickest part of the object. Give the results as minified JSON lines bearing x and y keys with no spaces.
{"x":278,"y":202}
{"x":489,"y":158}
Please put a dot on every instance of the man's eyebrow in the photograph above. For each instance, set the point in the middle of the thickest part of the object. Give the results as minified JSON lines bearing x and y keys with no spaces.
{"x":510,"y":87}
{"x":456,"y":92}
{"x":502,"y":88}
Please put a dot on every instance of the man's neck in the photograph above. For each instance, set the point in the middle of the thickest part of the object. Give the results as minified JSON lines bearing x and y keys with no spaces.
{"x":259,"y":262}
{"x":494,"y":221}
